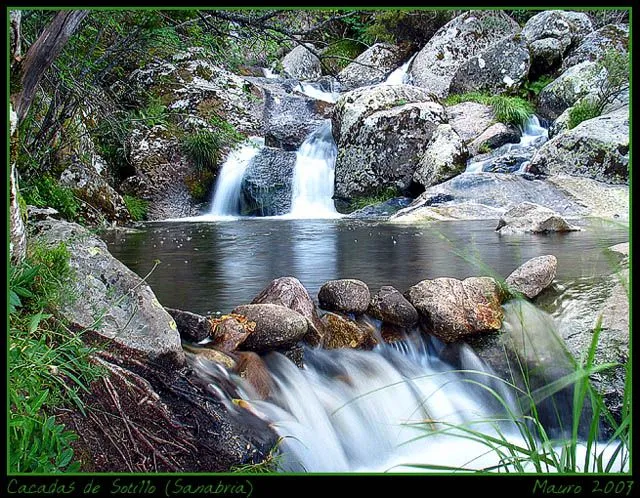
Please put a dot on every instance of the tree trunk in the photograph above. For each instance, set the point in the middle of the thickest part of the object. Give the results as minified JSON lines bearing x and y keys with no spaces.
{"x":40,"y":56}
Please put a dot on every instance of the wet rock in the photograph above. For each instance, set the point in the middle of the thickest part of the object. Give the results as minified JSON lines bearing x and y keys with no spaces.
{"x":253,"y":370}
{"x":390,"y":306}
{"x":345,"y":295}
{"x":596,"y":43}
{"x":470,"y":119}
{"x":266,"y":185}
{"x":493,"y":137}
{"x":381,"y":133}
{"x":344,"y":333}
{"x":289,"y":292}
{"x":382,"y":210}
{"x":597,"y":148}
{"x":454,"y":44}
{"x":109,"y":298}
{"x":276,"y":327}
{"x":213,"y":355}
{"x":301,"y":63}
{"x":371,"y":67}
{"x":445,"y":157}
{"x":550,"y":34}
{"x":191,"y":326}
{"x":533,"y":276}
{"x":502,"y":67}
{"x":528,"y":217}
{"x":451,"y":309}
{"x":229,"y":331}
{"x":599,"y":199}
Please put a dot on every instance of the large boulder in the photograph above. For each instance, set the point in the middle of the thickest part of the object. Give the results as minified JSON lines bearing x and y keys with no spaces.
{"x":345,"y":295}
{"x":267,"y":181}
{"x":390,"y":306}
{"x":344,"y":333}
{"x":276,"y":327}
{"x":289,"y":292}
{"x":595,"y":44}
{"x":528,"y":217}
{"x":96,"y":194}
{"x":495,"y":136}
{"x":470,"y":119}
{"x":563,"y":92}
{"x":532,"y":277}
{"x":381,"y":133}
{"x":302,"y":63}
{"x":454,"y":44}
{"x":597,"y":148}
{"x":445,"y":157}
{"x":550,"y":34}
{"x":451,"y":309}
{"x":502,"y":67}
{"x":371,"y":67}
{"x":110,"y":299}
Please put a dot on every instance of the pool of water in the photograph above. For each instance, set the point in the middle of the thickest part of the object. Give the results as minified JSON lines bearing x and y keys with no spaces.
{"x":207,"y":267}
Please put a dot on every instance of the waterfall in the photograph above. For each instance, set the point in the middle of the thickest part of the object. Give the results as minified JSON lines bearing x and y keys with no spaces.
{"x":310,"y":90}
{"x":226,"y":196}
{"x":399,"y":75}
{"x":396,"y":406}
{"x":532,"y":132}
{"x":312,"y":188}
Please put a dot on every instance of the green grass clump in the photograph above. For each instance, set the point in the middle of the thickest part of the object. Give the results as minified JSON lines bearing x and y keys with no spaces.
{"x":509,"y":110}
{"x":583,"y":110}
{"x":202,"y":148}
{"x":48,"y":364}
{"x":339,"y":54}
{"x":44,"y":191}
{"x":137,"y":207}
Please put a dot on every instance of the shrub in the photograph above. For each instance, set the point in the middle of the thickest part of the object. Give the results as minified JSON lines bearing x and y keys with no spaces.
{"x":44,"y":191}
{"x":137,"y":207}
{"x":202,"y":148}
{"x":583,"y":110}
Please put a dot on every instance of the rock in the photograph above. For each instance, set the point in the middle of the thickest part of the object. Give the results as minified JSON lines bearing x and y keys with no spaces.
{"x":253,"y":370}
{"x":596,"y":43}
{"x":390,"y":306}
{"x":534,"y":276}
{"x":343,"y":333}
{"x":568,"y":88}
{"x":295,"y":354}
{"x":470,"y":119}
{"x":371,"y":67}
{"x":345,"y":295}
{"x":502,"y":67}
{"x":382,"y":210}
{"x":488,"y":196}
{"x":213,"y":355}
{"x":301,"y":63}
{"x":276,"y":327}
{"x":528,"y":217}
{"x":600,"y":200}
{"x":229,"y":331}
{"x":597,"y":148}
{"x":550,"y":34}
{"x":493,"y":137}
{"x":451,"y":309}
{"x":191,"y":326}
{"x":290,"y":117}
{"x":289,"y":292}
{"x":97,"y":195}
{"x":266,"y":185}
{"x":38,"y":214}
{"x":109,"y":298}
{"x":381,"y":133}
{"x":445,"y":157}
{"x":454,"y":44}
{"x":622,"y":248}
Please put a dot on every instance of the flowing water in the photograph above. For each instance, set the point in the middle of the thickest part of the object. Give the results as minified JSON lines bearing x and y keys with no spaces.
{"x":400,"y":75}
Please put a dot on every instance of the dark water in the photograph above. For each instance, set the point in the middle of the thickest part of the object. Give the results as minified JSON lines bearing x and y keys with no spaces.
{"x":215,"y":266}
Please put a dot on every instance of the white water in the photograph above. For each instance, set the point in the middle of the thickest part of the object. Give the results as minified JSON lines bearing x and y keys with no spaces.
{"x":312,"y":188}
{"x":316,"y":93}
{"x":394,"y":407}
{"x":400,"y":75}
{"x":532,"y":133}
{"x":268,"y":73}
{"x":227,"y":191}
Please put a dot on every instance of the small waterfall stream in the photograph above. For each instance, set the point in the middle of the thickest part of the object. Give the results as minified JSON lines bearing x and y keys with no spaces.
{"x":400,"y":75}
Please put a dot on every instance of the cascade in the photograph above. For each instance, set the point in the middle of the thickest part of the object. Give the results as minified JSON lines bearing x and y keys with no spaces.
{"x":399,"y":75}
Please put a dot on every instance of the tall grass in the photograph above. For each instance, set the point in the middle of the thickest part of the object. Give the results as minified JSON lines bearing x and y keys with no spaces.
{"x":509,"y":110}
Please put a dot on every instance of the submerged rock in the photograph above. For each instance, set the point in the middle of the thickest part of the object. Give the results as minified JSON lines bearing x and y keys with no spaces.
{"x":534,"y":276}
{"x":108,"y":298}
{"x":454,"y":44}
{"x":344,"y":333}
{"x":289,"y":292}
{"x":254,"y":371}
{"x":528,"y":217}
{"x":276,"y":327}
{"x":390,"y":306}
{"x":345,"y":295}
{"x":451,"y":309}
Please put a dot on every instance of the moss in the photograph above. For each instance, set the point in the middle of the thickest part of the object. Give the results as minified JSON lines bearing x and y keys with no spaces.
{"x":199,"y":183}
{"x":203,"y":72}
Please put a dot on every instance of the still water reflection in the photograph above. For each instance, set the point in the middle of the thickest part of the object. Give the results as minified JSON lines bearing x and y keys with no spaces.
{"x":215,"y":266}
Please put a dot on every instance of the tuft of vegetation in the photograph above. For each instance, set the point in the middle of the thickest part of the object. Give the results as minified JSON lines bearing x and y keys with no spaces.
{"x":531,"y":89}
{"x":507,"y":109}
{"x":583,"y":110}
{"x":153,"y":114}
{"x":339,"y":54}
{"x":44,"y":191}
{"x":382,"y":194}
{"x":202,"y":148}
{"x":137,"y":207}
{"x":48,"y":364}
{"x":199,"y":184}
{"x":270,"y":464}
